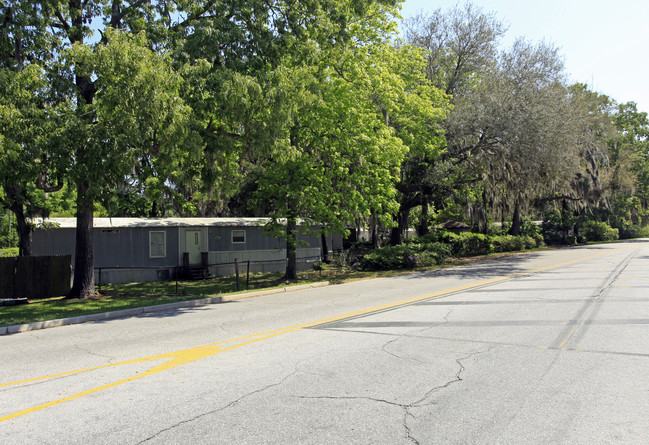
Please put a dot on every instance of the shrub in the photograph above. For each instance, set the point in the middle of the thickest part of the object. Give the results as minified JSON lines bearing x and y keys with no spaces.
{"x":570,"y":240}
{"x":557,"y":228}
{"x":9,"y":251}
{"x":406,"y":256}
{"x":429,"y":250}
{"x":444,"y":236}
{"x":507,"y":243}
{"x":428,"y":238}
{"x":599,"y":231}
{"x":441,"y":251}
{"x":472,"y":244}
{"x":634,"y":232}
{"x":510,"y":243}
{"x":387,"y":258}
{"x":530,"y":242}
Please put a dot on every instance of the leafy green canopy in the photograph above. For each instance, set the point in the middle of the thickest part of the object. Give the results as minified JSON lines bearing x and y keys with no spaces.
{"x":337,"y":152}
{"x":135,"y":127}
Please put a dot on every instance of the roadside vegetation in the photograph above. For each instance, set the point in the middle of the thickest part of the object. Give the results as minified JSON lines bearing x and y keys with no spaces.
{"x":8,"y":252}
{"x":360,"y":261}
{"x":114,"y":297}
{"x":311,"y":118}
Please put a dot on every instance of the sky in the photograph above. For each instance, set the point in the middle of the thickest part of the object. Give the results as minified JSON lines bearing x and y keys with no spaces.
{"x":605,"y":44}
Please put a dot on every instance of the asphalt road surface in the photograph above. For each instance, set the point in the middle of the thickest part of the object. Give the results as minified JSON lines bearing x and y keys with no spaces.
{"x":545,"y":347}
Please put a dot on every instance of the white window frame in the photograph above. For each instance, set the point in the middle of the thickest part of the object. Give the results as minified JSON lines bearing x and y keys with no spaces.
{"x":153,"y":254}
{"x":239,"y":233}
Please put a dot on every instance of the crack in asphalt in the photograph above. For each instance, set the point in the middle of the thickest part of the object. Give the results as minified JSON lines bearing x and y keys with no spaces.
{"x":418,"y":404}
{"x":412,"y":334}
{"x":407,"y":407}
{"x":458,"y":378}
{"x":400,"y":357}
{"x":409,"y":436}
{"x":110,"y":358}
{"x":229,"y":405}
{"x":371,"y":399}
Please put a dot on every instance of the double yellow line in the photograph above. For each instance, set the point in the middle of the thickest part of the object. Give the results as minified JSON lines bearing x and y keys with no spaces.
{"x":182,"y":357}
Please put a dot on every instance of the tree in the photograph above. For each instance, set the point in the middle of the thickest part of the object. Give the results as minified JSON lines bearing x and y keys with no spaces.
{"x":514,"y":134}
{"x":628,"y":179}
{"x":28,"y":117}
{"x":228,"y":49}
{"x":460,"y":44}
{"x":528,"y":115}
{"x":217,"y":43}
{"x":135,"y":118}
{"x":460,"y":47}
{"x":334,"y":157}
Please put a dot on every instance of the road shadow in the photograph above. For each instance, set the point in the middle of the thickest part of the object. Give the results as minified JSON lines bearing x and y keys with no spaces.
{"x":165,"y":313}
{"x":482,"y":268}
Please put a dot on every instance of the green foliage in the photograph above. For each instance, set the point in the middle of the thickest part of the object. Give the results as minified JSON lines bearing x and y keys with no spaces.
{"x":335,"y":156}
{"x":320,"y":265}
{"x":397,"y":257}
{"x":8,"y":238}
{"x":466,"y":243}
{"x":633,"y":231}
{"x":533,"y":233}
{"x":472,"y":244}
{"x":139,"y":120}
{"x":9,"y":251}
{"x":510,"y":243}
{"x":423,"y":251}
{"x":558,"y":227}
{"x":432,"y":249}
{"x":598,"y":231}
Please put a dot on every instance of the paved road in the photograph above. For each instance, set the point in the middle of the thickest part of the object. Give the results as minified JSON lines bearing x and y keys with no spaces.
{"x":548,"y":347}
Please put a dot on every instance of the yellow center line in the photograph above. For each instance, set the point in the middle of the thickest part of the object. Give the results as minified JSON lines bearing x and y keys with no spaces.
{"x":185,"y":356}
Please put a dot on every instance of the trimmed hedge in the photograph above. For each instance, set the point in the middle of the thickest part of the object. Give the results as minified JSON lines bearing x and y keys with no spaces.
{"x":429,"y":250}
{"x":510,"y":243}
{"x":467,"y":243}
{"x":406,"y":256}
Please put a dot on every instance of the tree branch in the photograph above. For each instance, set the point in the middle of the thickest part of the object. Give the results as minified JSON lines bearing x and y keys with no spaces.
{"x":194,"y":17}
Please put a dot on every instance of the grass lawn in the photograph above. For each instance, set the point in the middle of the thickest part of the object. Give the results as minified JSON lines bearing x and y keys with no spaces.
{"x":116,"y":297}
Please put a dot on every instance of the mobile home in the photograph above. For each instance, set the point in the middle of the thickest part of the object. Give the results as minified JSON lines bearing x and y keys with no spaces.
{"x":151,"y":249}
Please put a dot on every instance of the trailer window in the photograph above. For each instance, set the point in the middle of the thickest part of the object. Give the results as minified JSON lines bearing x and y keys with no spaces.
{"x":238,"y":236}
{"x":157,"y":244}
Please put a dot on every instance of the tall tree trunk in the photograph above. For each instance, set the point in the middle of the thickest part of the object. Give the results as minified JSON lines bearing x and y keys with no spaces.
{"x":291,"y":243}
{"x":516,"y":221}
{"x":24,"y":232}
{"x":397,"y":233}
{"x":15,"y":197}
{"x":324,"y":247}
{"x":374,"y":232}
{"x":395,"y":236}
{"x":422,"y":228}
{"x":483,"y":223}
{"x":83,"y":285}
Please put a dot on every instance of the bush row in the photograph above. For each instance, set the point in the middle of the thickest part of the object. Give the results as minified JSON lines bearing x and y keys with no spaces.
{"x":406,"y":256}
{"x":564,"y":229}
{"x":430,"y":250}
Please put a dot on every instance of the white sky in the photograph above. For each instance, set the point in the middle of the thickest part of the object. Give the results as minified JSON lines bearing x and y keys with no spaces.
{"x":604,"y":43}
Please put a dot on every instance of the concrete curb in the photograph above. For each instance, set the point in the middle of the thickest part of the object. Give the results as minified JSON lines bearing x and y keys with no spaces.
{"x":148,"y":309}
